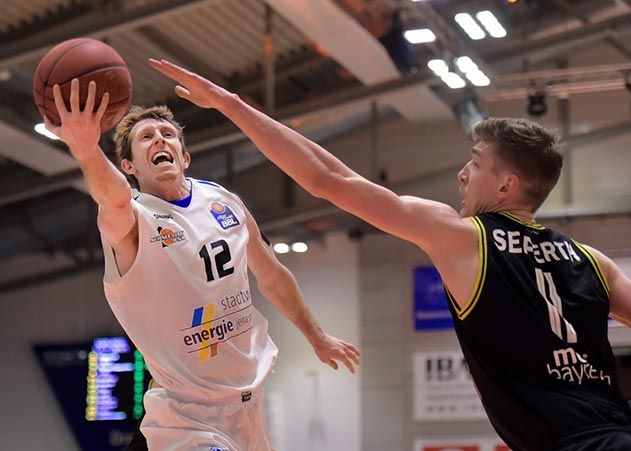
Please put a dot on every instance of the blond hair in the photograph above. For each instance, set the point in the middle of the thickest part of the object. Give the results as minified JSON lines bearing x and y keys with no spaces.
{"x":135,"y":115}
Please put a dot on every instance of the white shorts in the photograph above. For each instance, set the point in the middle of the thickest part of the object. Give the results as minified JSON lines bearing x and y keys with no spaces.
{"x":174,"y":425}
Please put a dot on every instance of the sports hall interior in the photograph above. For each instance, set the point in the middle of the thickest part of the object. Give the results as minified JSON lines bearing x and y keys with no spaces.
{"x":343,"y":73}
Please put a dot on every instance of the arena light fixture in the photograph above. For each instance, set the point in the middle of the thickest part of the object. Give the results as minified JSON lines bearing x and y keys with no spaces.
{"x":441,"y":69}
{"x":41,"y":129}
{"x":471,"y":70}
{"x":281,"y":248}
{"x":299,"y":247}
{"x":438,"y":66}
{"x":492,"y":25}
{"x":478,"y":78}
{"x":537,"y":105}
{"x":470,"y":26}
{"x":453,"y":80}
{"x":419,"y":36}
{"x":466,"y":64}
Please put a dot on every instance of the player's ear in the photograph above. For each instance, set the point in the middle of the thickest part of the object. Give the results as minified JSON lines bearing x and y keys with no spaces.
{"x":187,"y":159}
{"x":127,"y":167}
{"x":510,"y":186}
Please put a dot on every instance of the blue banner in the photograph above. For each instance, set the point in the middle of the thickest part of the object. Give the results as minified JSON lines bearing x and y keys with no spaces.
{"x":430,"y":302}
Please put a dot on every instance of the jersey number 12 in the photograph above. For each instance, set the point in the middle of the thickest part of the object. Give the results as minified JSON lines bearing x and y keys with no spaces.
{"x":222,"y":258}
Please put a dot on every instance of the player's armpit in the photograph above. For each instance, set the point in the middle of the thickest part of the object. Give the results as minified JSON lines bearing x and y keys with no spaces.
{"x":261,"y":258}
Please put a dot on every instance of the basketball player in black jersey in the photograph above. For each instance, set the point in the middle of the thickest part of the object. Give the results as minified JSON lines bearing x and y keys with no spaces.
{"x":530,"y":305}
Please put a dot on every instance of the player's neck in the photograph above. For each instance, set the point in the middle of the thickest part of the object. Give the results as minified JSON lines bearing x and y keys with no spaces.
{"x":170,"y":189}
{"x":525,"y":214}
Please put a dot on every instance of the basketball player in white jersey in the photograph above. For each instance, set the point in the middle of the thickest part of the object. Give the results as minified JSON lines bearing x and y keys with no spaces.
{"x":177,"y":254}
{"x":530,"y":305}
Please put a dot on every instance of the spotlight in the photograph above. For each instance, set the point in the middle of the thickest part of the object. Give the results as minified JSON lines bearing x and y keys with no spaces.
{"x":299,"y":247}
{"x":281,"y":248}
{"x":537,"y":104}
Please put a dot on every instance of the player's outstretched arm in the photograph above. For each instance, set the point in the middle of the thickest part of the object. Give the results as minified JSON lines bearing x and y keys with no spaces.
{"x":619,"y":288}
{"x":280,"y":288}
{"x":433,"y":226}
{"x":81,"y":130}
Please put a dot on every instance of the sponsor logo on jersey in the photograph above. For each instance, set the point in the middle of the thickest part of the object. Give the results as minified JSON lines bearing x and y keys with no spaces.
{"x":161,"y":216}
{"x":223,"y":215}
{"x":167,"y":236}
{"x":211,"y":325}
{"x":570,"y":366}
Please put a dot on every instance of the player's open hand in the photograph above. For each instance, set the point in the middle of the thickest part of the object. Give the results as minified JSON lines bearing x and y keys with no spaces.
{"x":79,"y":129}
{"x":198,"y":90}
{"x":330,"y":350}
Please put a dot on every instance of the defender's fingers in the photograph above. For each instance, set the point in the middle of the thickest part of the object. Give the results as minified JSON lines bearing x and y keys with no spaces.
{"x":170,"y":70}
{"x":183,"y":92}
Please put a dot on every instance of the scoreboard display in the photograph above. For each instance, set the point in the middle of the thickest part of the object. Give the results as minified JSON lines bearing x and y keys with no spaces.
{"x":111,"y":393}
{"x":99,"y":387}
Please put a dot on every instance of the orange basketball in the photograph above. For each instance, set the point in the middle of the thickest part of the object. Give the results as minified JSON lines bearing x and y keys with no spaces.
{"x":88,"y":60}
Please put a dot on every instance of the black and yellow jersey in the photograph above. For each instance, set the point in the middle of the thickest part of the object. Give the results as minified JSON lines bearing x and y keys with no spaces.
{"x":534,"y":334}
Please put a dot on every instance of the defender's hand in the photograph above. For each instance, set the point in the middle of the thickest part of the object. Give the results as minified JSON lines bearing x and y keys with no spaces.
{"x":198,"y":90}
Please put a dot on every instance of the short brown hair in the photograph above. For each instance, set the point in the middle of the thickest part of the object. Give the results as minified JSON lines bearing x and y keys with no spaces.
{"x":135,"y":115}
{"x":529,"y":149}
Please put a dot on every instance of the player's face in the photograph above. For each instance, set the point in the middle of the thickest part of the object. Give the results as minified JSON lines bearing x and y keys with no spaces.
{"x":480,"y":181}
{"x":157,"y":152}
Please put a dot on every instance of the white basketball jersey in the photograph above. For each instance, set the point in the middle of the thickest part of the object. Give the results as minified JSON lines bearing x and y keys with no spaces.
{"x":186,"y":301}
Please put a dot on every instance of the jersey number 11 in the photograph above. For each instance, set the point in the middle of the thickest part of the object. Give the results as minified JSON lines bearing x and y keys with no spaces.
{"x":548,"y":290}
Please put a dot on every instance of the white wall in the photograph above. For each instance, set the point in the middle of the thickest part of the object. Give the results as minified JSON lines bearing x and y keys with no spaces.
{"x":74,"y":309}
{"x":318,"y":407}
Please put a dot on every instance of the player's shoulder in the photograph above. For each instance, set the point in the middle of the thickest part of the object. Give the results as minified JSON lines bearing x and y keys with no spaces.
{"x":208,"y":184}
{"x":215,"y":189}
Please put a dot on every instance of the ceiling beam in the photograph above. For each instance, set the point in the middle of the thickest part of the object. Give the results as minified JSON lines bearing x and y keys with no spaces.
{"x":568,"y":9}
{"x":354,"y":48}
{"x":95,"y":24}
{"x":560,"y":41}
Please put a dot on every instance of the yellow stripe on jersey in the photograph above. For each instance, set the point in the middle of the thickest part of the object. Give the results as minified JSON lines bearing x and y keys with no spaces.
{"x":209,"y":314}
{"x":532,"y":225}
{"x":594,"y":262}
{"x":481,"y":276}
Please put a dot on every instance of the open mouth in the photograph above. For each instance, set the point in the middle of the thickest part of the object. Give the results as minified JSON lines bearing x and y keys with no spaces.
{"x":162,"y":157}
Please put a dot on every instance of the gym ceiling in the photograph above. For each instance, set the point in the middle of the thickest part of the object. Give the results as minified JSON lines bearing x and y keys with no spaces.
{"x":324,"y":67}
